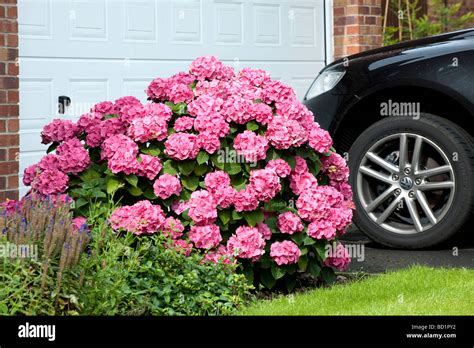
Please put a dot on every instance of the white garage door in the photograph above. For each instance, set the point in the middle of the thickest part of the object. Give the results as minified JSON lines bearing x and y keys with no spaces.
{"x":94,"y":50}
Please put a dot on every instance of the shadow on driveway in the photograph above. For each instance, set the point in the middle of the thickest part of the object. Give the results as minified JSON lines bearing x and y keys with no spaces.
{"x":378,"y":259}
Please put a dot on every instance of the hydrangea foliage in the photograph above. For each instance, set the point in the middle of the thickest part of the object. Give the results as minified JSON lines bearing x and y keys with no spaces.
{"x":226,"y":163}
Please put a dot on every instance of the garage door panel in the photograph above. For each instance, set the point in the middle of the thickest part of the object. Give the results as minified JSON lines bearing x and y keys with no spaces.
{"x":152,"y":29}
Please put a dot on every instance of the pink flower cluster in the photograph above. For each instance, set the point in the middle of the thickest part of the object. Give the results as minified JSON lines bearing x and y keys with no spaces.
{"x":285,"y":253}
{"x":202,"y":207}
{"x":246,"y":243}
{"x":140,"y":218}
{"x":205,"y":237}
{"x":59,"y":130}
{"x":289,"y":223}
{"x":339,"y":258}
{"x":166,"y":186}
{"x":252,"y":146}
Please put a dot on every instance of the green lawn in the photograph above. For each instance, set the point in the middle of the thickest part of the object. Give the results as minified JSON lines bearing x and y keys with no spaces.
{"x":414,"y":291}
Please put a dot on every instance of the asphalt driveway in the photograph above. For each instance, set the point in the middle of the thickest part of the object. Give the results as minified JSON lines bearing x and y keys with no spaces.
{"x":377,"y":259}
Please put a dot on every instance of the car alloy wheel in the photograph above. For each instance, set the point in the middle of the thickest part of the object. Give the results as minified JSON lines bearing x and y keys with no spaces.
{"x":405,"y":183}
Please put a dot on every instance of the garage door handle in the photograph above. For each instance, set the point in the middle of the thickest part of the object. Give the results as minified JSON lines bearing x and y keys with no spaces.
{"x":63,"y":102}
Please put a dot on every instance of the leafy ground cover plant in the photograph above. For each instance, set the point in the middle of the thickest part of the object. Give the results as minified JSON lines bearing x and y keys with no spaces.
{"x":226,"y":164}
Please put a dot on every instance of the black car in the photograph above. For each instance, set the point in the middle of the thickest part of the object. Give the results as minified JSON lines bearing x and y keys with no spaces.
{"x":403,"y":117}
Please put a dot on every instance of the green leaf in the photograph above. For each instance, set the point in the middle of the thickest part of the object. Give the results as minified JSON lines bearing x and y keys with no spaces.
{"x":303,"y":263}
{"x":248,"y":272}
{"x":298,"y":238}
{"x":200,"y":169}
{"x":217,"y":161}
{"x":275,"y":206}
{"x":79,"y":203}
{"x":252,"y":125}
{"x":52,"y":147}
{"x":308,"y":241}
{"x":328,"y":275}
{"x":314,"y":268}
{"x":149,"y":194}
{"x":113,"y":184}
{"x":267,"y":278}
{"x":278,"y":272}
{"x":272,"y":154}
{"x":190,"y":182}
{"x":254,"y":217}
{"x":272,"y":223}
{"x":132,"y":179}
{"x":98,"y":194}
{"x":168,"y":168}
{"x":224,"y":216}
{"x":232,"y":168}
{"x":291,"y":161}
{"x":135,"y":191}
{"x":186,"y":167}
{"x":89,"y":175}
{"x":321,"y":250}
{"x":290,"y":283}
{"x":202,"y":157}
{"x":152,"y":150}
{"x":236,"y":215}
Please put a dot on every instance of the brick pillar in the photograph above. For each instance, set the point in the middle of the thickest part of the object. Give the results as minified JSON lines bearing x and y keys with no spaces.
{"x":357,"y":26}
{"x":9,"y":95}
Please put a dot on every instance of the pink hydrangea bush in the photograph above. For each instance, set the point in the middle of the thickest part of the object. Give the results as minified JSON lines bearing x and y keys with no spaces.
{"x":224,"y":163}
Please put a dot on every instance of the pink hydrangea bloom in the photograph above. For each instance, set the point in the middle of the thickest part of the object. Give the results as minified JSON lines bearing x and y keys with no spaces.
{"x":265,"y":183}
{"x":292,"y":109}
{"x":319,"y":139}
{"x":158,"y":88}
{"x":214,"y":88}
{"x":73,"y":157}
{"x":237,"y":109}
{"x":125,"y":162}
{"x":202,"y":207}
{"x":280,"y":166}
{"x":172,"y":228}
{"x":180,"y":93}
{"x":166,"y":186}
{"x":124,"y":101}
{"x":245,"y":200}
{"x":205,"y":237}
{"x":148,"y":166}
{"x":285,"y":253}
{"x":160,"y":110}
{"x":301,"y":182}
{"x":89,"y":120}
{"x":289,"y":223}
{"x":59,"y":130}
{"x":181,"y":146}
{"x":224,"y":196}
{"x":261,"y":112}
{"x":206,"y":67}
{"x":30,"y":173}
{"x":104,"y":108}
{"x":131,"y":112}
{"x":212,"y":124}
{"x":300,"y":165}
{"x":205,"y":105}
{"x":276,"y":91}
{"x":340,"y":217}
{"x":344,"y":188}
{"x":335,"y":167}
{"x":180,"y":246}
{"x":79,"y":224}
{"x":321,"y":229}
{"x":250,"y":145}
{"x":285,"y":133}
{"x":50,"y":182}
{"x":183,"y":124}
{"x":316,"y":203}
{"x":339,"y":258}
{"x":265,"y":231}
{"x":148,"y":128}
{"x":216,"y":180}
{"x":256,"y":77}
{"x":181,"y":78}
{"x":10,"y":207}
{"x":179,"y":207}
{"x":140,"y":218}
{"x":50,"y":161}
{"x":246,"y":243}
{"x":98,"y":133}
{"x":118,"y":144}
{"x":219,"y":255}
{"x":209,"y":142}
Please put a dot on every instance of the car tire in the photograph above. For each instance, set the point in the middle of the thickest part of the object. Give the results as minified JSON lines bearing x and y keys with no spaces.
{"x":442,"y":182}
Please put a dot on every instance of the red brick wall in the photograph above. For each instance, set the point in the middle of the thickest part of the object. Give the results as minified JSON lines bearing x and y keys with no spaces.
{"x":357,"y":26}
{"x":9,"y":95}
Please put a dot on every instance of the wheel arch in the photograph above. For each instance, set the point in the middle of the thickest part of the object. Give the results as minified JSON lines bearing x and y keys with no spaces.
{"x":366,"y":110}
